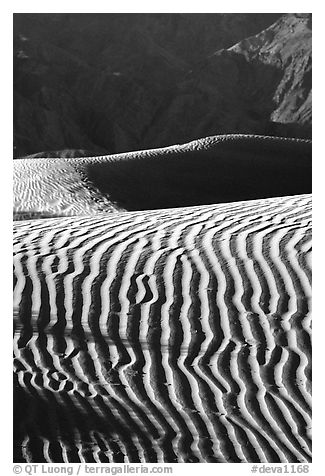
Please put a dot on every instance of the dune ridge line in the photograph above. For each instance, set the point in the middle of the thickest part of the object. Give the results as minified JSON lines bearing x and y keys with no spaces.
{"x":215,"y":169}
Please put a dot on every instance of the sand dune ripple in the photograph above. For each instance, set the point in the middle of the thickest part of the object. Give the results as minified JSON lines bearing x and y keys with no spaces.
{"x":179,"y":335}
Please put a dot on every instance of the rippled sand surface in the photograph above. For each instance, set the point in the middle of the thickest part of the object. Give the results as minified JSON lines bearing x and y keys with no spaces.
{"x":179,"y":335}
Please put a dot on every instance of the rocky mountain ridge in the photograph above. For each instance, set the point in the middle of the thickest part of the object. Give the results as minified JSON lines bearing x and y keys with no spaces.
{"x":110,"y":83}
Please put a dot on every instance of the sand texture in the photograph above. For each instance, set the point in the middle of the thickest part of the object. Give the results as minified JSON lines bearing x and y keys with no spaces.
{"x":215,"y":169}
{"x":165,"y":335}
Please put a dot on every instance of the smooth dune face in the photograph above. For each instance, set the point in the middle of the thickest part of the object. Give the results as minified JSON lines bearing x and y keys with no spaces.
{"x":178,"y":335}
{"x":211,"y":170}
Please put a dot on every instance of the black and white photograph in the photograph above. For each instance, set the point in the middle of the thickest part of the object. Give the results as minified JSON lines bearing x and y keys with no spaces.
{"x":162,"y":181}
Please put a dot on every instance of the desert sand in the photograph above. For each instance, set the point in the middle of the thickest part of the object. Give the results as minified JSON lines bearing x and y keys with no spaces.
{"x":214,"y":169}
{"x":164,"y":334}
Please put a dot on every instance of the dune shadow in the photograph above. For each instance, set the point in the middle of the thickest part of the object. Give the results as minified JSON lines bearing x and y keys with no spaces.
{"x":45,"y":422}
{"x":230,"y":170}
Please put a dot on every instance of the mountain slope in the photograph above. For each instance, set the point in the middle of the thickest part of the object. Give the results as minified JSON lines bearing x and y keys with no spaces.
{"x":121,"y":82}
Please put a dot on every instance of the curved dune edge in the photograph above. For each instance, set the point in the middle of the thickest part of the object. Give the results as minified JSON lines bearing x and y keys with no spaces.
{"x":179,"y":335}
{"x":211,"y":170}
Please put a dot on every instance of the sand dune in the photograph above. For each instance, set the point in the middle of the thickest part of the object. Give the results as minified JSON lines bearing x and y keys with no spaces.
{"x":211,"y":170}
{"x":171,"y":335}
